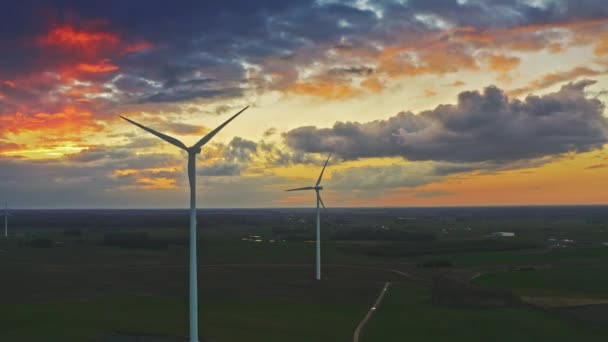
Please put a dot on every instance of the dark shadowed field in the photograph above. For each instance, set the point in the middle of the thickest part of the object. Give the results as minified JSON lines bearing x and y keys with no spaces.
{"x":107,"y":275}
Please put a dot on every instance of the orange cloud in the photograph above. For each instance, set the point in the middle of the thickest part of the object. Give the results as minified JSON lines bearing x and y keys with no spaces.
{"x":601,"y":49}
{"x":431,"y":58}
{"x":456,"y":84}
{"x":101,"y":66}
{"x":429,"y":92}
{"x":438,"y":53}
{"x":373,"y":84}
{"x":502,"y":63}
{"x":156,"y":183}
{"x":67,"y":37}
{"x":70,"y":119}
{"x":136,"y":47}
{"x":324,"y":89}
{"x":598,"y":166}
{"x":555,"y":78}
{"x":9,"y":147}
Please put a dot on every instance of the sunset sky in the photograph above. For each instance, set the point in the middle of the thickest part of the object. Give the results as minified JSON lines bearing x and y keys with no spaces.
{"x":421,"y":102}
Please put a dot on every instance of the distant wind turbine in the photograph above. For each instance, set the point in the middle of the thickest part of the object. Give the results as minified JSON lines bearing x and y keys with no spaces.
{"x":192,"y":152}
{"x":317,"y":188}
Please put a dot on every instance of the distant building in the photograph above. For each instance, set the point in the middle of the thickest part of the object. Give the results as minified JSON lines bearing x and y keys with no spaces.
{"x":503,"y":234}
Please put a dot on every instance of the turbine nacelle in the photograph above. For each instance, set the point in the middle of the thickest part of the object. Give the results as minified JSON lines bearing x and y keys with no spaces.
{"x":193,"y":150}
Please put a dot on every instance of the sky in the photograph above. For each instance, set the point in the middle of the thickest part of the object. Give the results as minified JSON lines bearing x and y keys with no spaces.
{"x":419,"y":102}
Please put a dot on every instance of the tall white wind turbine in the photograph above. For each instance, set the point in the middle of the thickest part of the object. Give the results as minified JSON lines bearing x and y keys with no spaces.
{"x":317,"y":188}
{"x":192,"y":152}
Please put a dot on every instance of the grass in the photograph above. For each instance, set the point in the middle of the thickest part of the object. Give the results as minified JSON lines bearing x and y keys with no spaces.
{"x":221,"y":320}
{"x":50,"y":295}
{"x":406,"y":314}
{"x":79,"y":290}
{"x":85,"y":320}
{"x":529,"y":257}
{"x":578,"y":281}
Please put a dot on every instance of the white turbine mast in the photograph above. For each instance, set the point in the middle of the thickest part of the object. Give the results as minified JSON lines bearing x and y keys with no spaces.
{"x":317,"y":188}
{"x":192,"y":152}
{"x":6,"y":219}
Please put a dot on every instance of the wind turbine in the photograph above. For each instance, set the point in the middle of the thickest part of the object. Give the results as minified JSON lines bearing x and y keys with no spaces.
{"x":317,"y":188}
{"x":192,"y":152}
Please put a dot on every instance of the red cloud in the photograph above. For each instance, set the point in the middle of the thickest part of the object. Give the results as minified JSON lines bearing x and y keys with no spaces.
{"x":136,"y":47}
{"x":67,"y":37}
{"x":70,"y":119}
{"x":101,"y":66}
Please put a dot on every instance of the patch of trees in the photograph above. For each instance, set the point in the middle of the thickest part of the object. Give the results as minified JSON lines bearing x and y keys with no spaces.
{"x":39,"y":243}
{"x":399,"y":249}
{"x":293,"y":233}
{"x":382,"y":235}
{"x":73,"y":232}
{"x":436,"y":263}
{"x":139,"y":240}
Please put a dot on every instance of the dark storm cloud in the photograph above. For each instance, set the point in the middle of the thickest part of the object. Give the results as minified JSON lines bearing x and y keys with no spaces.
{"x":481,"y":127}
{"x":195,"y":43}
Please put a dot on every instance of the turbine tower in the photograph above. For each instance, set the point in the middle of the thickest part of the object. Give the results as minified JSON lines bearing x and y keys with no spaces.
{"x":192,"y":152}
{"x":6,"y":219}
{"x":317,"y":188}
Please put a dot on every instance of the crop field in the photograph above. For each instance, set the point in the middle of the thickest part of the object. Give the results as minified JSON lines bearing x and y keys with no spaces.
{"x":76,"y":276}
{"x":407,"y":310}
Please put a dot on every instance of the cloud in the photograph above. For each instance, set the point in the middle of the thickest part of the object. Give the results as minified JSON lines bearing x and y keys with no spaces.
{"x":220,"y":169}
{"x":481,"y":127}
{"x":228,"y":159}
{"x":183,"y":129}
{"x":554,"y":78}
{"x":377,"y":179}
{"x":598,"y":166}
{"x":503,"y":65}
{"x":270,"y":132}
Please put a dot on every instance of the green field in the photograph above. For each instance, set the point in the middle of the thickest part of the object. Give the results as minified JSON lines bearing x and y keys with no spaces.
{"x":406,"y":314}
{"x":221,"y":320}
{"x":581,"y":281}
{"x":82,"y":289}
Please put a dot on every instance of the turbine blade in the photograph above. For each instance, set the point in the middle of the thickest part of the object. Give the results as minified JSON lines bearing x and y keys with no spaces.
{"x":211,"y":134}
{"x":165,"y":137}
{"x":304,"y":188}
{"x":323,"y":170}
{"x":323,"y":204}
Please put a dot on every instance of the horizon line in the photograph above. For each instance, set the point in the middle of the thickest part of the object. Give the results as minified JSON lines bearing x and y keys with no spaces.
{"x":337,"y":207}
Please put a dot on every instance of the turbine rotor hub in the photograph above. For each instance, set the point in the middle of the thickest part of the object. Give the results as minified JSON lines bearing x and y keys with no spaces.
{"x":194,"y":151}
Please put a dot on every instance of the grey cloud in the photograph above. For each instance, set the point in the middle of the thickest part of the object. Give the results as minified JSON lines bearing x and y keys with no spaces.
{"x":177,"y":95}
{"x":95,"y":154}
{"x":270,"y":132}
{"x":234,"y":158}
{"x":182,"y":128}
{"x":220,"y":169}
{"x":481,"y":127}
{"x":377,"y":179}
